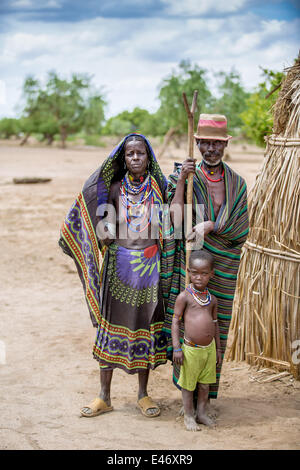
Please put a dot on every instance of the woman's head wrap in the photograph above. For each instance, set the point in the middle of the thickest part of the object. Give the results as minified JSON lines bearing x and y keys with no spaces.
{"x":113,"y":169}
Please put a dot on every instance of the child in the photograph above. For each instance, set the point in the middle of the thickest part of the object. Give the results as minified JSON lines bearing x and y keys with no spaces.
{"x":201,"y":347}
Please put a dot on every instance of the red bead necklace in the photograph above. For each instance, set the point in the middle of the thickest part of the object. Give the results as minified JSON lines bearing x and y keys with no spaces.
{"x":210,"y":179}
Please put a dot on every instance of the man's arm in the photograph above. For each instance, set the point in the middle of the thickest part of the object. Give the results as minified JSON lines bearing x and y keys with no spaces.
{"x":201,"y":230}
{"x":177,"y":203}
{"x":236,"y":228}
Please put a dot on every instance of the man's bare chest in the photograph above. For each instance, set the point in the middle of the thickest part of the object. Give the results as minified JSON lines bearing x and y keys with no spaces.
{"x":216,"y":191}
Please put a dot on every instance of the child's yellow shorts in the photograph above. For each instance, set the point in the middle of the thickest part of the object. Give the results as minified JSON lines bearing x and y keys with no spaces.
{"x":199,"y":366}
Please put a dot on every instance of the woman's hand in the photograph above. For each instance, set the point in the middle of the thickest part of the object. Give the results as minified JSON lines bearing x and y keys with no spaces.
{"x":178,"y":357}
{"x":188,"y":166}
{"x":201,"y":230}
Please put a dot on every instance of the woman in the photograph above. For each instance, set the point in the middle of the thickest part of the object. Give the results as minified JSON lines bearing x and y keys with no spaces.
{"x":121,"y":208}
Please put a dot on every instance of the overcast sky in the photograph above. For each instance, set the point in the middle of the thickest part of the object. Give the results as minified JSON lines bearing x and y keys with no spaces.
{"x":129,"y":46}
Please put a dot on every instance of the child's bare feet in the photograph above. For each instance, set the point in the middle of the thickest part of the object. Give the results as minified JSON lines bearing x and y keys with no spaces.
{"x":204,"y":419}
{"x":190,"y":423}
{"x":181,"y":412}
{"x":211,"y":410}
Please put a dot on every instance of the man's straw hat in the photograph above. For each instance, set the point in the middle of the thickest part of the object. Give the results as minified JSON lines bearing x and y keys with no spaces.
{"x":212,"y":126}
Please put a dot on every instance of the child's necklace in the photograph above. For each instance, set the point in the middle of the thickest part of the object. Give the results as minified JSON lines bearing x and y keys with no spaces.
{"x":196,"y":295}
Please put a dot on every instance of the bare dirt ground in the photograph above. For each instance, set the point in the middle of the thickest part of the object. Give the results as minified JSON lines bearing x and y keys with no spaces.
{"x":49,"y":372}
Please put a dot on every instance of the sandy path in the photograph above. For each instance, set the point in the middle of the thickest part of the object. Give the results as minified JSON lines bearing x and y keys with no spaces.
{"x":50,"y":372}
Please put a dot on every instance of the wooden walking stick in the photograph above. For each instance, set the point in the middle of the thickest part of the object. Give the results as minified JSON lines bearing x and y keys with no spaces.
{"x":189,"y":198}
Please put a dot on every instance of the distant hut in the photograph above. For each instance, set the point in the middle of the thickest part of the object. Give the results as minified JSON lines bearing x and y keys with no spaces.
{"x":266,"y":317}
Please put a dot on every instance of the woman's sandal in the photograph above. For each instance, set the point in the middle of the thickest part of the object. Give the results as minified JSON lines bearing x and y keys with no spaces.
{"x":145,"y":404}
{"x":98,"y":406}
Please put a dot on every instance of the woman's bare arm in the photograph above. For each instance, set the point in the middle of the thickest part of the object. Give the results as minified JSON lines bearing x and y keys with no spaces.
{"x":109,"y":222}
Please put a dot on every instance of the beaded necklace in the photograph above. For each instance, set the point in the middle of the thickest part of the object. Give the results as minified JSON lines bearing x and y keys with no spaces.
{"x":135,"y":189}
{"x":135,"y":209}
{"x":126,"y":189}
{"x":196,"y":295}
{"x":210,"y":179}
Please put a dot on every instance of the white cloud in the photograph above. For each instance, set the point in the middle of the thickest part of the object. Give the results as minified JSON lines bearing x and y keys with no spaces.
{"x":196,"y":7}
{"x":33,"y":4}
{"x":130,"y":57}
{"x":20,"y":44}
{"x":52,"y":4}
{"x":22,"y":4}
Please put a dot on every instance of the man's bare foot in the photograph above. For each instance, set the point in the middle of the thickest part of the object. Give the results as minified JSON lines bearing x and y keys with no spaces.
{"x":204,"y":419}
{"x":190,"y":423}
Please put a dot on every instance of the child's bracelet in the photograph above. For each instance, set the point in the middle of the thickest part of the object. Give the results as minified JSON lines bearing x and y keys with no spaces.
{"x":177,"y":350}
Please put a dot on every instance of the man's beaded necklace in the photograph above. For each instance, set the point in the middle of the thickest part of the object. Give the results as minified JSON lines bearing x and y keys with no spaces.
{"x":212,"y":173}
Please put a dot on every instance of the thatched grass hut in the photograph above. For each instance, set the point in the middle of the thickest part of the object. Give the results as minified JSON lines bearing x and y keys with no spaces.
{"x":266,"y":316}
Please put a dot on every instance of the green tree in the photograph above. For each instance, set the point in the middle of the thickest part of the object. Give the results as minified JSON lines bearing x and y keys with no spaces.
{"x":62,"y":107}
{"x":257,"y":118}
{"x":65,"y":102}
{"x":232,"y":101}
{"x":138,"y":120}
{"x":9,"y":127}
{"x":117,"y":126}
{"x":30,"y":119}
{"x":93,"y":115}
{"x":188,"y":78}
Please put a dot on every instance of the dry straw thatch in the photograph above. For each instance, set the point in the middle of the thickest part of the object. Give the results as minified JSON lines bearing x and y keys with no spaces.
{"x":266,"y":317}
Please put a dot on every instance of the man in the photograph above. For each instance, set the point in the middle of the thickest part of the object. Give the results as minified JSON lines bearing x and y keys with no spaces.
{"x":222,"y":196}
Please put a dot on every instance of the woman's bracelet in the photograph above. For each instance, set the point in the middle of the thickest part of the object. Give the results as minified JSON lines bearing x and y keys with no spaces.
{"x":177,"y":350}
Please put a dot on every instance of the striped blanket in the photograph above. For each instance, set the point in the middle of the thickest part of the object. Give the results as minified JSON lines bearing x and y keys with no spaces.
{"x":224,"y":243}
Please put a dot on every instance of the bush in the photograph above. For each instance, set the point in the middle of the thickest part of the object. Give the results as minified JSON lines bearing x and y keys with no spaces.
{"x":257,"y":118}
{"x":93,"y":140}
{"x":9,"y":127}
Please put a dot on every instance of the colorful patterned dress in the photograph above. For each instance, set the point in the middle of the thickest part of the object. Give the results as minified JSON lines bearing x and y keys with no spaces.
{"x":130,"y":334}
{"x":224,"y":243}
{"x":124,"y":295}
